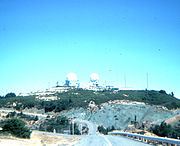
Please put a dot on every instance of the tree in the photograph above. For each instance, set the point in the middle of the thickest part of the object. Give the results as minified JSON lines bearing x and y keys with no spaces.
{"x":11,"y":114}
{"x":10,"y":95}
{"x":103,"y":130}
{"x":162,"y":91}
{"x":113,"y":128}
{"x":163,"y":130}
{"x":36,"y":118}
{"x":74,"y":128}
{"x":59,"y":123}
{"x":16,"y":127}
{"x":172,"y":94}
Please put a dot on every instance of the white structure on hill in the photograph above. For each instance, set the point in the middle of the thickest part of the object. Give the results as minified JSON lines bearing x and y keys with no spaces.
{"x":71,"y":80}
{"x":94,"y":81}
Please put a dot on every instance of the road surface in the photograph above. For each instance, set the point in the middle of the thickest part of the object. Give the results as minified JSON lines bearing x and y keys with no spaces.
{"x":91,"y":126}
{"x":95,"y":139}
{"x":105,"y":140}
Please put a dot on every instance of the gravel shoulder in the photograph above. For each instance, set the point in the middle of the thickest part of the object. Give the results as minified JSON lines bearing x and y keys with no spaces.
{"x":38,"y":139}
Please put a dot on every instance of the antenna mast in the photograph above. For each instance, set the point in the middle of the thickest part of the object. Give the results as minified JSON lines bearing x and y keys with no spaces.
{"x":125,"y":80}
{"x":57,"y":84}
{"x":147,"y":81}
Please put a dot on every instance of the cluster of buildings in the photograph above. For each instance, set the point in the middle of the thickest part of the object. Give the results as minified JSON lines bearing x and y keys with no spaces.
{"x":72,"y":82}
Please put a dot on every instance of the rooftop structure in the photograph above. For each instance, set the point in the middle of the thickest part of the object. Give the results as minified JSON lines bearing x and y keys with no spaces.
{"x":71,"y":80}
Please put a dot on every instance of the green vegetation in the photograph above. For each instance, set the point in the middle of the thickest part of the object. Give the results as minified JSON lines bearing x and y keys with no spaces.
{"x":59,"y":124}
{"x":22,"y":116}
{"x":16,"y":127}
{"x":104,"y":130}
{"x":81,"y":98}
{"x":9,"y":95}
{"x":76,"y":130}
{"x":166,"y":130}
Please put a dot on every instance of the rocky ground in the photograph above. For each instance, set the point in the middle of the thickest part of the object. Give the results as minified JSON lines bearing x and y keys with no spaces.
{"x":120,"y":114}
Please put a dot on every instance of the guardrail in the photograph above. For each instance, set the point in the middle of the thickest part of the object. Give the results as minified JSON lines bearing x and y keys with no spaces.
{"x":149,"y":139}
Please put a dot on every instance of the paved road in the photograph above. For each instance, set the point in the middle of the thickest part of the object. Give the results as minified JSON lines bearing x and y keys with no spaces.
{"x":105,"y":140}
{"x":27,"y":113}
{"x":99,"y":140}
{"x":91,"y":126}
{"x":96,"y":139}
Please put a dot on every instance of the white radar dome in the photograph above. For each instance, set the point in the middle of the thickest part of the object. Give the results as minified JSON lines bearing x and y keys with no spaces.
{"x":71,"y":77}
{"x":94,"y":77}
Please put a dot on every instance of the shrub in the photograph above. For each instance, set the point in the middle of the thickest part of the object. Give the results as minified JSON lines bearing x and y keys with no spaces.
{"x":167,"y":130}
{"x":10,"y":95}
{"x":163,"y":130}
{"x":11,"y":114}
{"x":59,"y":124}
{"x":103,"y":130}
{"x":36,"y":118}
{"x":162,"y":91}
{"x":16,"y":127}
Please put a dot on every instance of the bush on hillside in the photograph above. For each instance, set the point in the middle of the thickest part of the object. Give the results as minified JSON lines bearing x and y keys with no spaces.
{"x":166,"y":130}
{"x":16,"y":127}
{"x":10,"y":95}
{"x":11,"y":114}
{"x":163,"y":130}
{"x":103,"y":130}
{"x":59,"y":124}
{"x":162,"y":91}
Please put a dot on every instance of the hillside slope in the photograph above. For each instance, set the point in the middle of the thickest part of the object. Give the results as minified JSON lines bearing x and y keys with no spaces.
{"x":121,"y":113}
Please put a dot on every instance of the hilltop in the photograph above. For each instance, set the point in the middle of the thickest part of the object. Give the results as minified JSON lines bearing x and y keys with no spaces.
{"x":80,"y":98}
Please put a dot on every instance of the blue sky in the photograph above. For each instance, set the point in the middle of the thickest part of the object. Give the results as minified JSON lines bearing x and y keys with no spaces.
{"x":43,"y":40}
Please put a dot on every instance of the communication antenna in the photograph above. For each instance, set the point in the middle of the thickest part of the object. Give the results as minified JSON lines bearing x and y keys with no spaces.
{"x":106,"y":83}
{"x":48,"y":84}
{"x":125,"y":80}
{"x":57,"y":84}
{"x":147,"y":80}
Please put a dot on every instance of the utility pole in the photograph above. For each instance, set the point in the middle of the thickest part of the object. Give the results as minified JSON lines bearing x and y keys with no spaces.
{"x":125,"y":80}
{"x":70,"y":129}
{"x":147,"y":81}
{"x":73,"y":128}
{"x":81,"y":129}
{"x":48,"y":85}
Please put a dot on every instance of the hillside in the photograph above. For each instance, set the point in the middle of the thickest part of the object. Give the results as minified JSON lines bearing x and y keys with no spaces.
{"x":122,"y":110}
{"x":121,"y":113}
{"x":81,"y":98}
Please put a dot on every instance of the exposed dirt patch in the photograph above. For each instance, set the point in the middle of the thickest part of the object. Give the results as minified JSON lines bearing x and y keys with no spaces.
{"x":39,"y":140}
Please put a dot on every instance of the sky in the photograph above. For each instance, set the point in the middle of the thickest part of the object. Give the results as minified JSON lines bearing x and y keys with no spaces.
{"x":41,"y":41}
